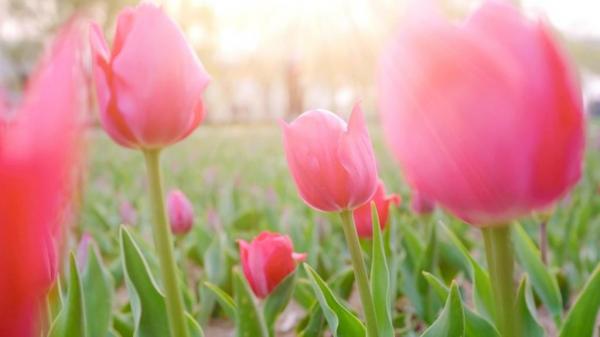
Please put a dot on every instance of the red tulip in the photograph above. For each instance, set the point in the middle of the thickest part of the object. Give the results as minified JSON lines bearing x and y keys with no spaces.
{"x":150,"y":85}
{"x":332,"y":163}
{"x":267,"y":260}
{"x":362,"y":215}
{"x":486,"y":117}
{"x":37,"y":154}
{"x":420,"y":204}
{"x":181,"y":212}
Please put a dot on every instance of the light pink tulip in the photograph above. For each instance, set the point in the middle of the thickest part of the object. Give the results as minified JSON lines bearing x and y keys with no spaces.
{"x":332,"y":163}
{"x":181,"y":212}
{"x":267,"y":260}
{"x":127,"y":213}
{"x":485,"y":117}
{"x":362,"y":215}
{"x":37,"y":159}
{"x":149,"y":86}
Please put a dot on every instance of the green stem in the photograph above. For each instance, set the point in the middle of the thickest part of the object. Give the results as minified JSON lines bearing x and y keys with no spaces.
{"x":360,"y":272}
{"x":500,"y":257}
{"x":164,"y":246}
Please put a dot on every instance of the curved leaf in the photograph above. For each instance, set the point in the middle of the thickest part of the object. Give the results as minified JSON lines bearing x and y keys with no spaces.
{"x":249,"y":321}
{"x":71,"y":321}
{"x":380,"y":280}
{"x":581,"y":319}
{"x":451,"y":321}
{"x":342,"y":322}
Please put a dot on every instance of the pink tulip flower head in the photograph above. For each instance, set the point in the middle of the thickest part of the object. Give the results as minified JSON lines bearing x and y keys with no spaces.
{"x":383,"y":202}
{"x":149,"y":86}
{"x":331,"y":162}
{"x":420,"y":204}
{"x":485,"y":117}
{"x":37,"y":159}
{"x":267,"y":260}
{"x":181,"y":212}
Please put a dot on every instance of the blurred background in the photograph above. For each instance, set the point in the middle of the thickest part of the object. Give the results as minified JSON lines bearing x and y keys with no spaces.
{"x":274,"y":58}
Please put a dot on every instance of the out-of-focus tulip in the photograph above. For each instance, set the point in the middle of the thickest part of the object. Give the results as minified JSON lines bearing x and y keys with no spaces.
{"x":181,"y":212}
{"x":267,"y":260}
{"x":83,"y":250}
{"x":486,"y":117}
{"x":37,"y":154}
{"x":362,"y":215}
{"x":150,"y":85}
{"x":420,"y":204}
{"x":332,"y":163}
{"x":127,"y":213}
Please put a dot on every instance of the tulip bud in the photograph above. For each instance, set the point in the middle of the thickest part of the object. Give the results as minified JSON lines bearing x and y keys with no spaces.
{"x":181,"y":212}
{"x":127,"y":213}
{"x":331,"y":162}
{"x":362,"y":215}
{"x":420,"y":204}
{"x":267,"y":260}
{"x":150,"y":85}
{"x":470,"y":125}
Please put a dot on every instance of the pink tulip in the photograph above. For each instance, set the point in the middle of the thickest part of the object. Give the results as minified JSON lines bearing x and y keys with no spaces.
{"x":485,"y":117}
{"x":127,"y":213}
{"x":332,"y":163}
{"x":420,"y":204}
{"x":362,"y":215}
{"x":267,"y":260}
{"x":181,"y":212}
{"x":37,"y":153}
{"x":150,"y":85}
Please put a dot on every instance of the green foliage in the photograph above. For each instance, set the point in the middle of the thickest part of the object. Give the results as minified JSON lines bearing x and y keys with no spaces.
{"x":342,"y":322}
{"x":71,"y":321}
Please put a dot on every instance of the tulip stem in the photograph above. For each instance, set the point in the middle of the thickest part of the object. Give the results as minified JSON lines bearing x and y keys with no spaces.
{"x":500,"y":257}
{"x":163,"y":242}
{"x":360,"y":272}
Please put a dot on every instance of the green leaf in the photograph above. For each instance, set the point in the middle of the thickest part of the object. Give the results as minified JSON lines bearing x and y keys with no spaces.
{"x":526,"y":312}
{"x":342,"y":322}
{"x":380,"y":280}
{"x":543,"y":282}
{"x":475,"y":325}
{"x":482,"y":287}
{"x":312,"y":325}
{"x":249,"y":321}
{"x":147,"y":303}
{"x":224,"y":299}
{"x":581,"y":319}
{"x":451,"y":321}
{"x":71,"y":321}
{"x":277,"y":301}
{"x":98,"y":294}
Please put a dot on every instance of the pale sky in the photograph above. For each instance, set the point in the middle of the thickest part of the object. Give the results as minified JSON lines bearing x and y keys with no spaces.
{"x":579,"y":17}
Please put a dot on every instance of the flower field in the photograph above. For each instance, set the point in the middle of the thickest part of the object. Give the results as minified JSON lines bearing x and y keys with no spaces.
{"x":460,"y":199}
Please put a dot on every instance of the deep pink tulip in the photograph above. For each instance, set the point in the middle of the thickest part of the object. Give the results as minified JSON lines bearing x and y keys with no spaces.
{"x":332,"y":163}
{"x":362,"y":215}
{"x":149,"y":87}
{"x":37,"y":154}
{"x":181,"y":212}
{"x":485,"y":117}
{"x":267,"y":260}
{"x":420,"y":204}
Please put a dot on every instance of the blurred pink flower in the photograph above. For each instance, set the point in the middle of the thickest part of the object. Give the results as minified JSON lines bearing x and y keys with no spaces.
{"x":420,"y":204}
{"x":485,"y":117}
{"x":362,"y":215}
{"x":127,"y":213}
{"x":38,"y":150}
{"x":331,"y":162}
{"x":267,"y":260}
{"x":83,"y":250}
{"x":150,"y":85}
{"x":181,"y":212}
